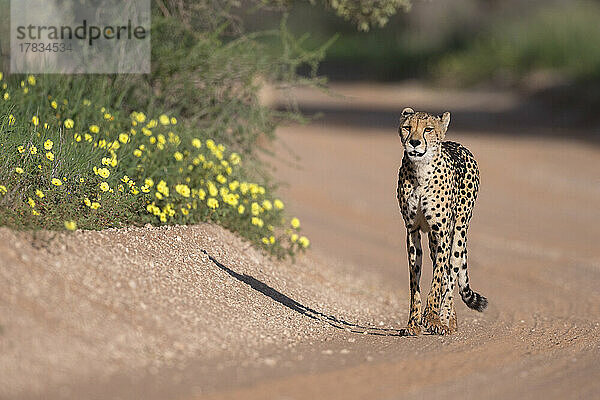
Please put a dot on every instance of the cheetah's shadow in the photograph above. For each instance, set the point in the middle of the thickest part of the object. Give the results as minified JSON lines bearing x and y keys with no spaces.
{"x":305,"y":310}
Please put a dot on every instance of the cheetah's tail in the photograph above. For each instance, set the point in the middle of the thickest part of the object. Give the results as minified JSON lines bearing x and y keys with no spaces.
{"x":472,"y":299}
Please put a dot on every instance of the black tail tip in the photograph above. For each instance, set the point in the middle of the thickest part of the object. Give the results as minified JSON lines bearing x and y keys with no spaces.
{"x":474,"y":300}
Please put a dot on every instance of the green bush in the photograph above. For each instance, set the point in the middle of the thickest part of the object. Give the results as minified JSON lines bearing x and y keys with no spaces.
{"x":69,"y":164}
{"x":562,"y":38}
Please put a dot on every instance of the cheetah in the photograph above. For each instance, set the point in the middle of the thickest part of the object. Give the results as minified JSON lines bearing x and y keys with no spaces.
{"x":437,"y":187}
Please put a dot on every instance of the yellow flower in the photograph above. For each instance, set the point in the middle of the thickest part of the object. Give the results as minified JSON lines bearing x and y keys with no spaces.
{"x":185,"y":211}
{"x":107,"y":116}
{"x":221,"y":179}
{"x":183,"y":190}
{"x":104,"y":187}
{"x":1,"y":76}
{"x":48,"y":144}
{"x":87,"y":137}
{"x":39,"y":193}
{"x":241,"y":209}
{"x":69,"y":123}
{"x":145,"y":189}
{"x":294,"y":237}
{"x":271,"y":239}
{"x":164,"y":120}
{"x":50,"y":156}
{"x":255,"y":209}
{"x":295,"y":223}
{"x":34,"y":212}
{"x":267,"y":205}
{"x":230,"y":199}
{"x":257,"y":221}
{"x":81,"y":180}
{"x":31,"y":80}
{"x":140,"y":117}
{"x":197,"y":143}
{"x":173,"y":121}
{"x":278,"y":204}
{"x":3,"y":189}
{"x":104,"y":172}
{"x":86,"y":102}
{"x":149,"y":182}
{"x":123,"y":138}
{"x":163,"y":188}
{"x":71,"y":225}
{"x":95,"y":205}
{"x":304,"y":242}
{"x":56,"y":182}
{"x":6,"y":96}
{"x":212,"y":203}
{"x":178,"y":156}
{"x":31,"y":202}
{"x":265,"y":240}
{"x":212,"y":189}
{"x":137,"y":153}
{"x":201,"y":194}
{"x":21,"y":149}
{"x":54,"y":104}
{"x":94,"y":128}
{"x":11,"y":119}
{"x":19,"y":170}
{"x":235,"y":158}
{"x":87,"y":202}
{"x":35,"y":120}
{"x":234,"y":185}
{"x":33,"y":150}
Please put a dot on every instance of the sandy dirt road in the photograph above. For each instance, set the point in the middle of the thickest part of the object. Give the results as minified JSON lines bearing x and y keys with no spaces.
{"x":146,"y":313}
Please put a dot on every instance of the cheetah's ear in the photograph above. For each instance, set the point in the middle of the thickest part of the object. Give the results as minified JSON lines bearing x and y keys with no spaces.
{"x":445,"y":119}
{"x":407,"y":112}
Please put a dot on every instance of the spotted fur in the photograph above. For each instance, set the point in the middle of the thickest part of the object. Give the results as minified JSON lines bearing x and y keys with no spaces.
{"x":437,"y":187}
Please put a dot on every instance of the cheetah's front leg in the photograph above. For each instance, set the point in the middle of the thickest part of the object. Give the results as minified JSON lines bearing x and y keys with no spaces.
{"x":439,"y":242}
{"x":415,"y":258}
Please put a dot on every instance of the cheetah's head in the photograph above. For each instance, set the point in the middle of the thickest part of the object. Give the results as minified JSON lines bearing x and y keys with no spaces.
{"x":422,"y":133}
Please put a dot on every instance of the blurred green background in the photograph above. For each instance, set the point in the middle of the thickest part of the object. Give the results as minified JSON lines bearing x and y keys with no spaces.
{"x":457,"y":42}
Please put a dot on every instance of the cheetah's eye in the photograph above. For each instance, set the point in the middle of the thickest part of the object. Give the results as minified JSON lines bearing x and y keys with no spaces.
{"x":428,"y":129}
{"x":406,"y":128}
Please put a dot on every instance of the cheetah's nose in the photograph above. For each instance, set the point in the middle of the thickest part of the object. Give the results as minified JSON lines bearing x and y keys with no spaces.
{"x":414,"y":142}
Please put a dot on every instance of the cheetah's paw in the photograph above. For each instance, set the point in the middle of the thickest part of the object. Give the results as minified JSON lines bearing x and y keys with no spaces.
{"x":413,"y":329}
{"x":433,"y":324}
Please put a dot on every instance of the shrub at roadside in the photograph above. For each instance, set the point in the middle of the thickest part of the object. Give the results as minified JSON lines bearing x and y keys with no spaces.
{"x":67,"y":165}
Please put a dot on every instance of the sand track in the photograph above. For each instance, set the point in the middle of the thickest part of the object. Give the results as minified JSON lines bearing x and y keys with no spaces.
{"x":146,"y":313}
